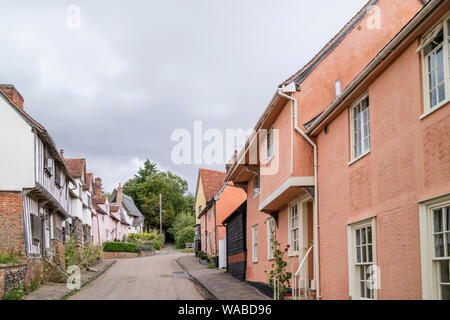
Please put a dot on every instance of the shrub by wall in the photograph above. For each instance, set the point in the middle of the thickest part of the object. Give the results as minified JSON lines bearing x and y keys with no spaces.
{"x":120,"y":247}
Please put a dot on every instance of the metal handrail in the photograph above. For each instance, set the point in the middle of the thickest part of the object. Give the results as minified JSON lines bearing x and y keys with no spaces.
{"x":301,"y":277}
{"x":303,"y":261}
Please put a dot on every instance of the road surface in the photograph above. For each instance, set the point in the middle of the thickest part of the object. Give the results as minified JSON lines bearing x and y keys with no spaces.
{"x":157,"y":277}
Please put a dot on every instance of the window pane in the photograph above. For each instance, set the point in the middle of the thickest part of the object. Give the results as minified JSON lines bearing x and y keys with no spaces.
{"x":447,"y":236}
{"x":447,"y":218}
{"x":439,"y":245}
{"x":431,"y":62}
{"x":369,"y":235}
{"x":438,"y":220}
{"x":364,"y":254}
{"x":358,"y":255}
{"x":445,"y":292}
{"x":358,"y":239}
{"x":432,"y":80}
{"x":370,"y":254}
{"x":439,"y":56}
{"x":362,"y":273}
{"x":433,"y":98}
{"x":368,"y":293}
{"x":363,"y":235}
{"x":362,"y":289}
{"x":440,"y":73}
{"x":444,"y":271}
{"x":441,"y":92}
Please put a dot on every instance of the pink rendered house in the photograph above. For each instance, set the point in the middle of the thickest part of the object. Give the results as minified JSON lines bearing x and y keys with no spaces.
{"x":349,"y":163}
{"x":107,"y":225}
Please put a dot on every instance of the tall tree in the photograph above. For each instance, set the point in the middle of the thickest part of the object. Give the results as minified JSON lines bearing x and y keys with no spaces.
{"x":145,"y":188}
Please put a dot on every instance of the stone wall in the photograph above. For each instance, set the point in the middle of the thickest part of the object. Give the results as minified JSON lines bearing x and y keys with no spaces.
{"x":11,"y":277}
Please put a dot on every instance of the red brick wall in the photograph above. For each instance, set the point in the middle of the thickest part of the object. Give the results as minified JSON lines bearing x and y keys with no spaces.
{"x":11,"y":221}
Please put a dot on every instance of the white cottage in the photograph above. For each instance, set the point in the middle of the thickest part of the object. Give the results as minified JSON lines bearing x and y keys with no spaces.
{"x":34,"y":182}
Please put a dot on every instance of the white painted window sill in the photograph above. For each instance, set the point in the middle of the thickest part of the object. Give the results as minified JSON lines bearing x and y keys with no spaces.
{"x":359,"y":158}
{"x":439,"y":106}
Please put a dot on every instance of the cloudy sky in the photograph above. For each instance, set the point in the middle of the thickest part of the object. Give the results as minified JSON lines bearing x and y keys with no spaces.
{"x":113,"y":90}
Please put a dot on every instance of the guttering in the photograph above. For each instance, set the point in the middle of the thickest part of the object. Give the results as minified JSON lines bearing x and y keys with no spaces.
{"x":374,"y":64}
{"x":315,"y":208}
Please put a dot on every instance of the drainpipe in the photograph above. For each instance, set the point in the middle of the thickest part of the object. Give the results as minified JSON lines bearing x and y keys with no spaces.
{"x":315,"y":210}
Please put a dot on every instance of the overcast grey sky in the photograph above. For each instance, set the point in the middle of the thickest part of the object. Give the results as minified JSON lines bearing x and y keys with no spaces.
{"x":114,"y":90}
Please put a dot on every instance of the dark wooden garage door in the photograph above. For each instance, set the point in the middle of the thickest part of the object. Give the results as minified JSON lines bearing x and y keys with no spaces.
{"x":236,"y":242}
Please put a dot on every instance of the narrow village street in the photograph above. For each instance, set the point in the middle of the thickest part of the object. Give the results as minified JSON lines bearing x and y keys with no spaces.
{"x":156,"y":277}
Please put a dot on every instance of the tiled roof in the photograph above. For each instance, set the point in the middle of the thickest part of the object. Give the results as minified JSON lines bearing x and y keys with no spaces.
{"x":101,"y":200}
{"x":128,"y":203}
{"x":99,"y":209}
{"x":212,"y":182}
{"x":114,"y":208}
{"x":76,"y":167}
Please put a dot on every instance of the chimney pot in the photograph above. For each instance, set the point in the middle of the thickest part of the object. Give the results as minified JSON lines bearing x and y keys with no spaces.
{"x":14,"y":96}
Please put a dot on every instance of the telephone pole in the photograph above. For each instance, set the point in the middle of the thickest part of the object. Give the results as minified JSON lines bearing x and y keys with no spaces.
{"x":160,"y":217}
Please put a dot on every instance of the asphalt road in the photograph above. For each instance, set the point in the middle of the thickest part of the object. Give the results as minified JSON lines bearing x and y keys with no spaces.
{"x":157,"y":277}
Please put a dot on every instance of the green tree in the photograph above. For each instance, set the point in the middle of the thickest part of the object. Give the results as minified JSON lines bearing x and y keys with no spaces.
{"x":145,"y":188}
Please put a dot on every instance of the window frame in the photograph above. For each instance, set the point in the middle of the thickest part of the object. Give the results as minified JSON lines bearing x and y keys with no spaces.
{"x":298,"y":204}
{"x":255,"y":243}
{"x":426,"y":39}
{"x":429,"y":262}
{"x":270,"y":148}
{"x":353,"y":265}
{"x":353,"y":107}
{"x":270,"y":251}
{"x":256,"y":190}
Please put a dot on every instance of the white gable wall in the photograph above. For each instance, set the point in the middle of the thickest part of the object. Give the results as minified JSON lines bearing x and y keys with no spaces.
{"x":16,"y":155}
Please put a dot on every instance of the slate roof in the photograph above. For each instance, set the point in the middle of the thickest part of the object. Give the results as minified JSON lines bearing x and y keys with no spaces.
{"x":128,"y":203}
{"x":212,"y":182}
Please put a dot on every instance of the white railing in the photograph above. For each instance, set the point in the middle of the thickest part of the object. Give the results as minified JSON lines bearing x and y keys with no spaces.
{"x":299,"y":278}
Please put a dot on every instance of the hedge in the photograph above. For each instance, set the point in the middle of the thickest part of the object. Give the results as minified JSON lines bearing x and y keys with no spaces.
{"x":120,"y":247}
{"x":184,"y":236}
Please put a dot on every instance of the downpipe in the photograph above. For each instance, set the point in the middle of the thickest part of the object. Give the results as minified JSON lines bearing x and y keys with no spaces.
{"x":315,"y":209}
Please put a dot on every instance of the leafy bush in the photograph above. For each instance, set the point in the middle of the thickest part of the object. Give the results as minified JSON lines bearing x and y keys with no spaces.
{"x":157,"y":244}
{"x":82,"y":256}
{"x":184,"y":236}
{"x":182,"y":220}
{"x":120,"y":247}
{"x":203,"y":255}
{"x":10,"y":258}
{"x":144,"y":237}
{"x":144,"y":247}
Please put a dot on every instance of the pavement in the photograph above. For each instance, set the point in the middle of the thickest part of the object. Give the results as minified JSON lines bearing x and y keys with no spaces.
{"x":58,"y":291}
{"x":157,"y":277}
{"x":220,"y":284}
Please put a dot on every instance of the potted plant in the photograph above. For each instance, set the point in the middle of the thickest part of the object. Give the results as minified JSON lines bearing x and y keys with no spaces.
{"x":203,"y":257}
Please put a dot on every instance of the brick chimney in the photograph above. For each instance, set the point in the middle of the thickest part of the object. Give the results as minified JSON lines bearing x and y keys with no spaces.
{"x":119,"y":195}
{"x":13,"y":95}
{"x":98,"y":188}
